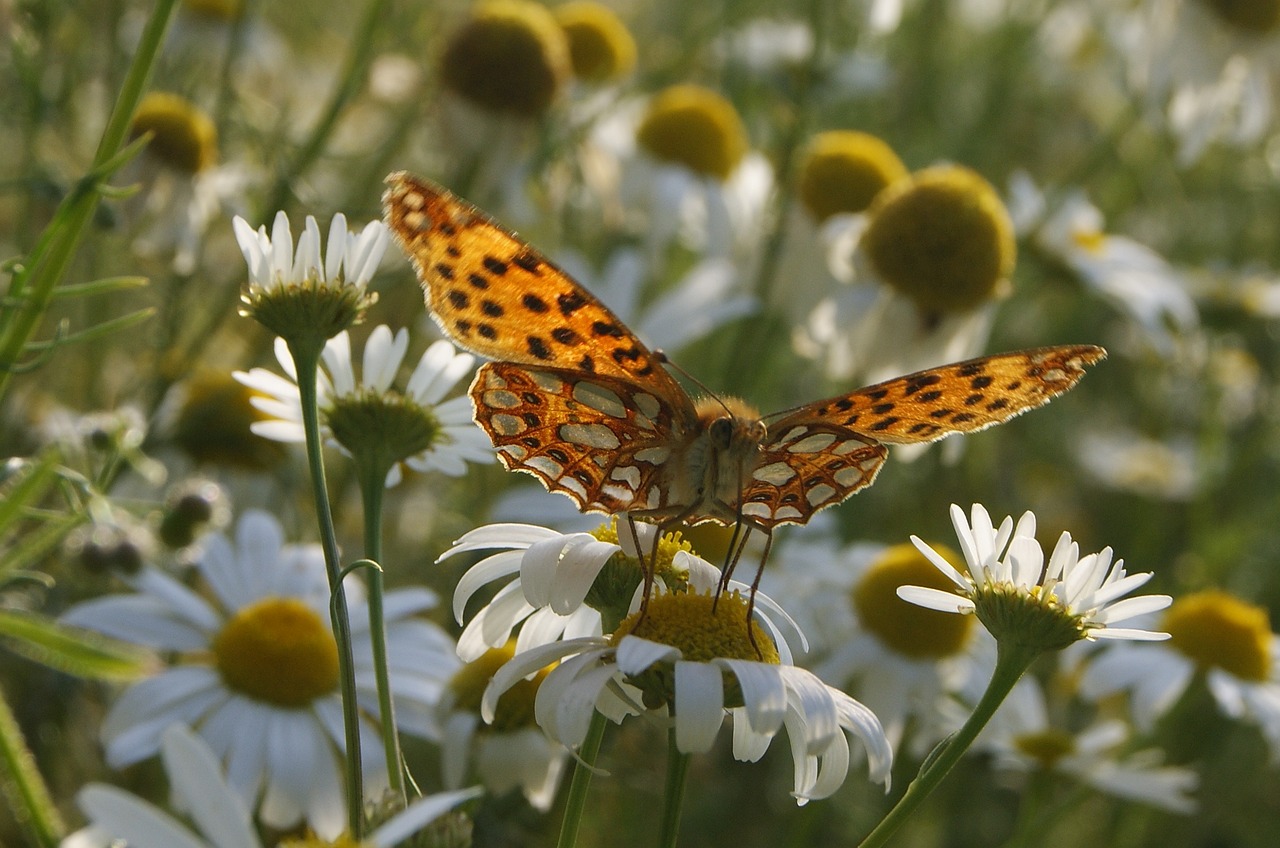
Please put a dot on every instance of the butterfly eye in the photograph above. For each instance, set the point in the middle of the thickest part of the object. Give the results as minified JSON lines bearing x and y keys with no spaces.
{"x":721,"y":432}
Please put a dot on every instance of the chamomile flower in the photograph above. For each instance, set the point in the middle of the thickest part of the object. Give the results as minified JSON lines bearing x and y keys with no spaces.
{"x":254,"y":669}
{"x":689,"y":658}
{"x":1022,"y":738}
{"x":1017,"y":596}
{"x":369,"y":418}
{"x":1215,"y":636}
{"x":204,"y":796}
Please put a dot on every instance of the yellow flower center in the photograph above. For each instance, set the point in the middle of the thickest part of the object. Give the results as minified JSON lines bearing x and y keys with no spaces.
{"x":278,"y":650}
{"x":600,"y":45}
{"x":511,"y":57}
{"x":221,"y":10}
{"x":381,"y":429}
{"x":942,"y":238}
{"x":183,"y":137}
{"x":910,"y":630}
{"x":1216,"y":629}
{"x":212,"y":424}
{"x":1089,"y":240}
{"x":844,"y":170}
{"x":703,"y":630}
{"x":695,"y":127}
{"x":1045,"y":746}
{"x":313,"y":841}
{"x":1252,"y":16}
{"x":515,"y":707}
{"x":615,"y":585}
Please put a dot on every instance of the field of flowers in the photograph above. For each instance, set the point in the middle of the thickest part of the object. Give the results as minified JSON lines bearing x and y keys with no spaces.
{"x":267,"y":577}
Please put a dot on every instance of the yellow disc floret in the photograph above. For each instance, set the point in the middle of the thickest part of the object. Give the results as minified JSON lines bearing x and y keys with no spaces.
{"x":511,"y":58}
{"x":1251,"y":16}
{"x":1218,"y":630}
{"x":942,"y":238}
{"x":515,"y":707}
{"x":212,"y":423}
{"x":278,"y":650}
{"x":905,"y":628}
{"x":183,"y":137}
{"x":844,"y":170}
{"x":1046,"y":747}
{"x":696,"y":127}
{"x":600,"y":45}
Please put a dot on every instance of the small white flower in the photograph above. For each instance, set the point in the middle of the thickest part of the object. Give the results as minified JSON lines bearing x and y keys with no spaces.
{"x":1022,"y":738}
{"x":455,"y":440}
{"x":217,"y":810}
{"x":352,"y":258}
{"x":267,"y":705}
{"x":1087,"y":591}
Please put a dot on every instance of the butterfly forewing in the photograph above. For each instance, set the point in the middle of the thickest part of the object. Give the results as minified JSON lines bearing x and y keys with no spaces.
{"x":603,"y":442}
{"x":499,"y":297}
{"x":957,"y":398}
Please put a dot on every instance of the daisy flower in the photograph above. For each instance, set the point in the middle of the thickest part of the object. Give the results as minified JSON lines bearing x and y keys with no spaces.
{"x":694,"y":665}
{"x":202,"y":793}
{"x":411,"y":428}
{"x":1215,"y":637}
{"x":1023,"y":739}
{"x":1017,"y":596}
{"x":254,"y":670}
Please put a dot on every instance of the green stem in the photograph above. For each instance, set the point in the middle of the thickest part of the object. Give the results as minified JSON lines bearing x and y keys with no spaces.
{"x":1011,"y":661}
{"x":306,"y":358}
{"x":23,"y":788}
{"x":373,"y":485}
{"x":577,"y":800}
{"x":673,"y":803}
{"x":45,"y":266}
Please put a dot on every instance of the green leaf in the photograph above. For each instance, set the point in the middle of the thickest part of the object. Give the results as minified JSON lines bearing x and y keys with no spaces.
{"x":75,"y":651}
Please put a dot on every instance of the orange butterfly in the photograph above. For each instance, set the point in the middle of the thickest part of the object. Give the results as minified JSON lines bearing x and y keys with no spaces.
{"x":575,"y":399}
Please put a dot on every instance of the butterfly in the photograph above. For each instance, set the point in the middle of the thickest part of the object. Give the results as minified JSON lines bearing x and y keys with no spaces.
{"x":574,"y":398}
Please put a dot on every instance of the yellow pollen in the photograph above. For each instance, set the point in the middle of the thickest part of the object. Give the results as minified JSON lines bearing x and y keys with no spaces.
{"x":1046,"y":746}
{"x":942,"y":238}
{"x":183,"y":137}
{"x":600,"y":45}
{"x":686,"y":621}
{"x":510,"y":57}
{"x":844,"y":170}
{"x":278,"y":650}
{"x":1089,"y":240}
{"x":907,"y":629}
{"x":515,"y":707}
{"x":1216,"y":629}
{"x":212,"y":423}
{"x":313,"y":841}
{"x":1255,"y":17}
{"x":695,"y":127}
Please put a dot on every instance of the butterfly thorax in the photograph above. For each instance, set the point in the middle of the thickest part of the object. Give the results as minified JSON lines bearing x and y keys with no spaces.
{"x":720,"y":459}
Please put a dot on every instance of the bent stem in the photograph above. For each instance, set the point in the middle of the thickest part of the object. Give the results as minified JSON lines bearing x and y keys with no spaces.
{"x":673,"y":803}
{"x":1011,"y":661}
{"x":582,"y":772}
{"x":306,"y":358}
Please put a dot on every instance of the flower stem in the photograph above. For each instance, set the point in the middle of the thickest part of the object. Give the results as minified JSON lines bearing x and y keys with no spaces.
{"x":24,"y":789}
{"x":373,"y":484}
{"x":306,"y":359}
{"x":677,"y":773}
{"x":577,"y":800}
{"x":1011,"y":661}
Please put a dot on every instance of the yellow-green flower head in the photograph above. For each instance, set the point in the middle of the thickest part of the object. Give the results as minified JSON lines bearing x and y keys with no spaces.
{"x":219,"y":10}
{"x":695,"y":127}
{"x":942,"y":238}
{"x":511,"y":57}
{"x":844,"y":170}
{"x":183,"y":137}
{"x":1216,"y":629}
{"x":600,"y":45}
{"x":614,"y":587}
{"x":515,"y":707}
{"x":212,"y":419}
{"x":910,"y":630}
{"x":1251,"y":16}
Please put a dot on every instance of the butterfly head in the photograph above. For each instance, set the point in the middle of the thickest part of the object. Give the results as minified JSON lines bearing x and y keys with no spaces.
{"x":730,"y":423}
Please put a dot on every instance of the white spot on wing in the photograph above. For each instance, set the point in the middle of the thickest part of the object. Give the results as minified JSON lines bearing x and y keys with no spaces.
{"x":516,"y":452}
{"x":600,"y":399}
{"x":813,"y":444}
{"x":848,"y":447}
{"x":792,"y":434}
{"x":507,"y":425}
{"x":618,"y":493}
{"x":546,"y":465}
{"x":819,"y":494}
{"x":757,"y":509}
{"x":590,"y":435}
{"x":628,"y":474}
{"x":787,"y":512}
{"x":573,"y":486}
{"x":654,"y":456}
{"x":775,"y":473}
{"x":850,"y":476}
{"x":647,"y":404}
{"x":500,"y":399}
{"x":547,"y":382}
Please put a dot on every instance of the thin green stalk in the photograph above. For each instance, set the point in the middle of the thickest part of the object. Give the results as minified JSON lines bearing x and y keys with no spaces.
{"x":25,"y":791}
{"x":577,"y":800}
{"x":373,"y":485}
{"x":673,"y":801}
{"x":1011,"y":662}
{"x":307,"y":361}
{"x":47,"y":263}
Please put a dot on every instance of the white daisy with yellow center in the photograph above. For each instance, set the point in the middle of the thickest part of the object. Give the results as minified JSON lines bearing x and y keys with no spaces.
{"x":254,"y":669}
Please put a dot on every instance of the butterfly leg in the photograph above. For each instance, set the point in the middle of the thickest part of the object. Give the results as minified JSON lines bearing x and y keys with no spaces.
{"x":755,"y":586}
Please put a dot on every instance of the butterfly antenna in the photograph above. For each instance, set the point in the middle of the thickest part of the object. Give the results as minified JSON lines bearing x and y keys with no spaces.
{"x":662,"y":357}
